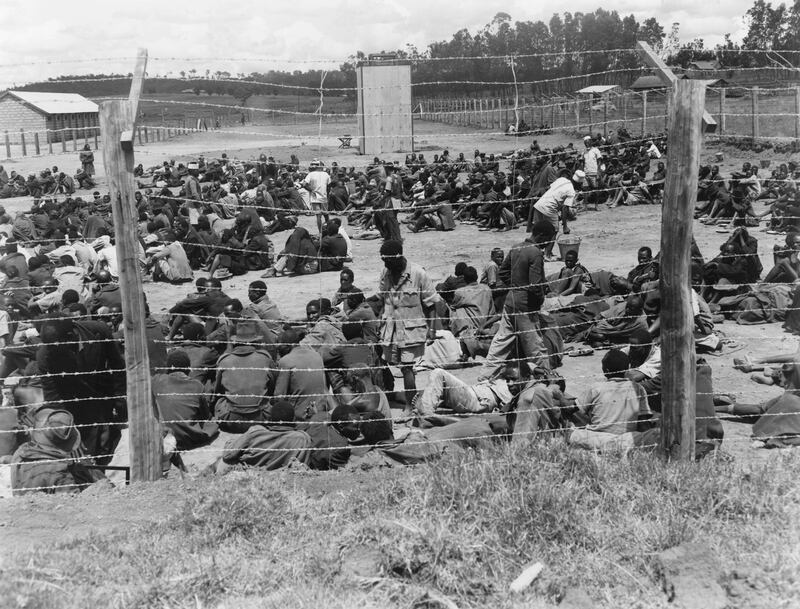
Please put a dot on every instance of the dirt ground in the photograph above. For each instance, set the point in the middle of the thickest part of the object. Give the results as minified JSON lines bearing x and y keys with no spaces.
{"x":610,"y":238}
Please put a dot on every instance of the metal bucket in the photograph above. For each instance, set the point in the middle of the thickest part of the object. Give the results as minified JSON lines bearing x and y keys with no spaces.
{"x":568,"y":243}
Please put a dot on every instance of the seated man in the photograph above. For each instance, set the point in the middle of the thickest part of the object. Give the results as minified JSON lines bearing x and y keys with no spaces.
{"x":472,"y":305}
{"x":616,"y":408}
{"x":244,"y":374}
{"x":635,"y":192}
{"x":272,"y":445}
{"x":332,"y":249}
{"x":70,"y":276}
{"x":540,"y":407}
{"x":787,"y":267}
{"x":331,"y":437}
{"x":52,"y":461}
{"x":106,"y":293}
{"x":202,"y":358}
{"x":181,"y":403}
{"x":346,"y":287}
{"x":356,"y":351}
{"x":170,"y":261}
{"x":645,"y":270}
{"x":571,"y":279}
{"x":618,"y":323}
{"x":325,"y":329}
{"x":300,"y":376}
{"x":261,"y":308}
{"x":644,"y":356}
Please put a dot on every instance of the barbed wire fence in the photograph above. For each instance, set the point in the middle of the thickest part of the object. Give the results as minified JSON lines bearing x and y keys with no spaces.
{"x":493,"y":121}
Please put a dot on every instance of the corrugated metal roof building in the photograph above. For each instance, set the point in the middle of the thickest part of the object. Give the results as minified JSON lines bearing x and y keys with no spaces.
{"x":55,"y":116}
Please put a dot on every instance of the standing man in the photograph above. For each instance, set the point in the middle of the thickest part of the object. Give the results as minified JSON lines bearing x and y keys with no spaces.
{"x":592,"y":158}
{"x":523,"y":272}
{"x":86,"y":158}
{"x":385,"y":216}
{"x":316,"y":183}
{"x":409,"y":297}
{"x":193,"y":193}
{"x":551,"y":205}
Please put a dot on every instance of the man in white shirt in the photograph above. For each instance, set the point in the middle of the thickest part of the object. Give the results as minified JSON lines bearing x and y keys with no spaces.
{"x":652,"y":150}
{"x":592,"y":158}
{"x":316,"y":183}
{"x":106,"y":256}
{"x":551,"y":205}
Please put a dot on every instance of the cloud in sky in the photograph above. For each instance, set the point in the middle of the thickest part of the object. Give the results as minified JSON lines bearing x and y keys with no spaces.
{"x":282,"y":33}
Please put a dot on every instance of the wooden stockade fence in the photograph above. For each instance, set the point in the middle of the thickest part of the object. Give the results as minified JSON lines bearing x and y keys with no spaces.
{"x":748,"y":112}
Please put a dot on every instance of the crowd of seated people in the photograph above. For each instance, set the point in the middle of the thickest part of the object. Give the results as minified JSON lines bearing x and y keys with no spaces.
{"x":318,"y":390}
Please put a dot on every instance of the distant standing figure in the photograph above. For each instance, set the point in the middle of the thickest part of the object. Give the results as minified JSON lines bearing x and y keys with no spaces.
{"x":87,"y":160}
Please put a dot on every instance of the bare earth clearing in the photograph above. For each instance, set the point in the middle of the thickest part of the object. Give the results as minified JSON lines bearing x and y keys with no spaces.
{"x":610,"y":241}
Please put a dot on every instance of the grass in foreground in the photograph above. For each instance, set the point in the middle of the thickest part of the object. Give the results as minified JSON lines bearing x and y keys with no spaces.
{"x":459,"y":530}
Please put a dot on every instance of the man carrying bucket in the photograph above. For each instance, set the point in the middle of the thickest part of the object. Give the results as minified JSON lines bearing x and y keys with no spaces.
{"x":551,"y":205}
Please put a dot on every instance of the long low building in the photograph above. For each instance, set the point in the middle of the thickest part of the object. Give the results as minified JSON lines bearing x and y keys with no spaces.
{"x":57,"y":116}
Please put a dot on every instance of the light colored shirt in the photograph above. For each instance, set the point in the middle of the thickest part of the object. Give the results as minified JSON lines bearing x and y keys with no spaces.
{"x":492,"y":394}
{"x":560,"y":193}
{"x":346,"y":238}
{"x":591,"y":161}
{"x":107,"y":258}
{"x":318,"y":182}
{"x":651,"y":367}
{"x":490,"y":274}
{"x":614,"y":405}
{"x":404,"y":323}
{"x":177,"y":264}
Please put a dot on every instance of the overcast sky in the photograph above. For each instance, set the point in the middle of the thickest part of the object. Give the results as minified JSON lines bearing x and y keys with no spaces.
{"x":37,"y":31}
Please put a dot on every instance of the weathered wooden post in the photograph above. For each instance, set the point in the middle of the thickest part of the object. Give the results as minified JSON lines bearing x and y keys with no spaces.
{"x":685,"y":141}
{"x":117,"y":123}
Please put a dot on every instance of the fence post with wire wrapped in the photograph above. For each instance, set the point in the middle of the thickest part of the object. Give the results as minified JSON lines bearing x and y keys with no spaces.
{"x":117,"y":119}
{"x":677,"y":319}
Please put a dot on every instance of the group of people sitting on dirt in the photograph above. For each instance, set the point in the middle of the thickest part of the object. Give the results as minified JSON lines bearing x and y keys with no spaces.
{"x":49,"y":182}
{"x":723,"y":201}
{"x":319,"y":390}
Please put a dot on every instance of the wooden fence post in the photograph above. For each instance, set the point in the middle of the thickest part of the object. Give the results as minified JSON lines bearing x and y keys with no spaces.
{"x":64,"y":140}
{"x":625,"y":111}
{"x":36,"y":143}
{"x":96,"y":134}
{"x":591,"y":115}
{"x":756,"y":133}
{"x":85,"y":136}
{"x":74,"y":140}
{"x":22,"y":139}
{"x":117,"y":123}
{"x":145,"y":437}
{"x":49,"y":142}
{"x":797,"y":115}
{"x":644,"y":112}
{"x":605,"y":117}
{"x":8,"y":144}
{"x":721,"y":111}
{"x":677,"y":320}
